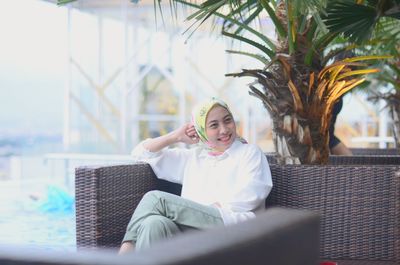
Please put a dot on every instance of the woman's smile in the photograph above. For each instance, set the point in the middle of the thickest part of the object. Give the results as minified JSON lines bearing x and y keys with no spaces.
{"x":220,"y":128}
{"x":225,"y":138}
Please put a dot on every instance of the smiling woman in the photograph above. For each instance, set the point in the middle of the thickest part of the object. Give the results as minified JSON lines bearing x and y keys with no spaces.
{"x":224,"y":181}
{"x":214,"y":125}
{"x":221,"y":128}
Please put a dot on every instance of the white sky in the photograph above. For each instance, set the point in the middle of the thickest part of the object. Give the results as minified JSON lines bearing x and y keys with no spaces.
{"x":33,"y":56}
{"x":32,"y":64}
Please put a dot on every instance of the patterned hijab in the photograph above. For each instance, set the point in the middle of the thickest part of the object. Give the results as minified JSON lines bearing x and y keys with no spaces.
{"x":199,"y":117}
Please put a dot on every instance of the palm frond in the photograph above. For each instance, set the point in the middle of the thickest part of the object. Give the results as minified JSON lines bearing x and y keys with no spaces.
{"x":354,"y":20}
{"x":291,"y":26}
{"x":261,"y":58}
{"x":248,"y":20}
{"x":317,"y":46}
{"x":309,"y":6}
{"x":367,"y":57}
{"x":357,"y":72}
{"x":264,"y":49}
{"x":63,"y":2}
{"x":271,"y":12}
{"x":201,"y":14}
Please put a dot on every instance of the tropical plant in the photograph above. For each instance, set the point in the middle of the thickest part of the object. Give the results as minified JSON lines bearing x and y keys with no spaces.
{"x":378,"y":28}
{"x":298,"y":84}
{"x":389,"y":80}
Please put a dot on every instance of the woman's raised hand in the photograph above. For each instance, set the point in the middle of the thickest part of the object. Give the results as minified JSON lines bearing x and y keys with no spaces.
{"x":187,"y":134}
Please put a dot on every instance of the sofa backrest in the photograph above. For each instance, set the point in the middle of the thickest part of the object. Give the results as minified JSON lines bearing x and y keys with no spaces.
{"x":277,"y":236}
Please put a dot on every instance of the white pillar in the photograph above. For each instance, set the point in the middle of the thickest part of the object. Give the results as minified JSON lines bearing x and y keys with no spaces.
{"x":67,"y":90}
{"x":125,"y":88}
{"x":100,"y":78}
{"x":133,"y":95}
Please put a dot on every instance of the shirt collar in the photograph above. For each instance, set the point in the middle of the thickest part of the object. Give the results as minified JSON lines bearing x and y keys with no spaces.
{"x":228,"y":152}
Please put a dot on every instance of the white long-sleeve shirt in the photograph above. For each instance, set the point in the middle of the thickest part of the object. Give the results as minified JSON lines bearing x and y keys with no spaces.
{"x":239,"y":179}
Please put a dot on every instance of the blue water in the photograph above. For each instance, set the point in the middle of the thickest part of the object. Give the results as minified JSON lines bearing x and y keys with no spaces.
{"x":39,"y":220}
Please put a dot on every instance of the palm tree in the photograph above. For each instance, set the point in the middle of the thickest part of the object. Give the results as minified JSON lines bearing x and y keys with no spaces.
{"x":297,"y":85}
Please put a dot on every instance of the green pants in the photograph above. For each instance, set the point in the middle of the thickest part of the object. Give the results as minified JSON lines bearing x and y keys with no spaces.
{"x":160,"y":215}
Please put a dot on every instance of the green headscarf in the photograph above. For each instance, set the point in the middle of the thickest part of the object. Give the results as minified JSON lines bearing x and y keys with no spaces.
{"x":199,"y":116}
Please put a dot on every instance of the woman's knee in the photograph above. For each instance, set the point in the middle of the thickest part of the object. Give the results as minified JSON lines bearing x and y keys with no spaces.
{"x":156,"y":221}
{"x":158,"y":224}
{"x":155,"y":228}
{"x":152,"y":195}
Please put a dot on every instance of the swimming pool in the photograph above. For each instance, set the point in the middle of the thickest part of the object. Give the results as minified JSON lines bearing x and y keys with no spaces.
{"x":37,"y":215}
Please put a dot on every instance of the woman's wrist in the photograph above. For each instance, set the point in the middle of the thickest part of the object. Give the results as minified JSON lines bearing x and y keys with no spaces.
{"x":159,"y":143}
{"x":173,"y":137}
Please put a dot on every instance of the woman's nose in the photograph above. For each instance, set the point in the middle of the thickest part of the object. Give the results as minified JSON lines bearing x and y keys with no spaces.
{"x":223,"y":129}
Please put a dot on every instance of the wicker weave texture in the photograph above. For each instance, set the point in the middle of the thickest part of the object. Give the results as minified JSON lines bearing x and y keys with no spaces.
{"x":365,"y":160}
{"x":359,"y":206}
{"x":375,"y":151}
{"x":105,"y":200}
{"x":352,"y":160}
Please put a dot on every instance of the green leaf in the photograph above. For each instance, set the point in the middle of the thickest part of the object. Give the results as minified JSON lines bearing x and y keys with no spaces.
{"x":278,"y":25}
{"x":63,"y":2}
{"x":267,"y":51}
{"x":309,"y":6}
{"x":261,"y":58}
{"x":291,"y":30}
{"x":395,"y":69}
{"x":318,"y":45}
{"x":355,"y":21}
{"x":264,"y":38}
{"x":249,"y":19}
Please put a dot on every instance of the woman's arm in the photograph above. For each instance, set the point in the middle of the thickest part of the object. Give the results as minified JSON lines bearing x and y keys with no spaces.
{"x":167,"y":163}
{"x":185,"y":134}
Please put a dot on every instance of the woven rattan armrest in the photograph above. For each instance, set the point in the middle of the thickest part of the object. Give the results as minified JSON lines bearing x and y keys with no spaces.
{"x":375,"y":151}
{"x":106,"y":197}
{"x":366,"y":159}
{"x":359,"y":207}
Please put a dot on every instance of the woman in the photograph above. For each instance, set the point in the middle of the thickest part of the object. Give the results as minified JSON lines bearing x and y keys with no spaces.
{"x":224,"y":180}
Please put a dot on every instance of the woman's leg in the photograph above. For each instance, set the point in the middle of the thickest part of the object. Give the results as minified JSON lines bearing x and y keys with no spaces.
{"x":182,"y":212}
{"x":126,"y":247}
{"x":155,"y":228}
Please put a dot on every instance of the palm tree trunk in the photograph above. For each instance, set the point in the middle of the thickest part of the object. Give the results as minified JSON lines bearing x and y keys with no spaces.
{"x":299,"y":142}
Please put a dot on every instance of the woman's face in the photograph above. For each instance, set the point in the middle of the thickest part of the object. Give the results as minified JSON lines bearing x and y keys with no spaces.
{"x":220,"y":128}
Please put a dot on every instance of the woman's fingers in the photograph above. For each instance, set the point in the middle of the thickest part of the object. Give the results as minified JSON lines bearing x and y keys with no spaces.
{"x":191,"y":133}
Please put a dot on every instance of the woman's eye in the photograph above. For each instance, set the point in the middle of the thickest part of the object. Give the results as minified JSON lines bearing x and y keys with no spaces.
{"x":228,"y":120}
{"x":213,"y":126}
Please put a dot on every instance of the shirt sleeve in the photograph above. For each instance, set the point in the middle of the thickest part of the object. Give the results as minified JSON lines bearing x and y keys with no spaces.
{"x":253,"y":182}
{"x":168,"y":164}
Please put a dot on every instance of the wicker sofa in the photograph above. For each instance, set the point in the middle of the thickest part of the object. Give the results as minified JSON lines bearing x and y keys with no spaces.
{"x":359,"y":205}
{"x":382,"y":159}
{"x":269,"y":237}
{"x":375,"y":151}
